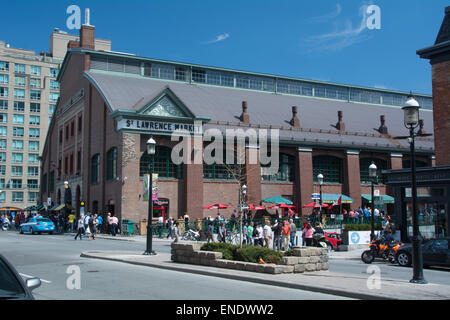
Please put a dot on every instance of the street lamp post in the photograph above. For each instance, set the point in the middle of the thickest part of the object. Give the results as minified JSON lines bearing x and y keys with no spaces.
{"x":243,"y":193}
{"x":373,"y":176}
{"x":411,"y":121}
{"x":320,"y":179}
{"x":151,"y":148}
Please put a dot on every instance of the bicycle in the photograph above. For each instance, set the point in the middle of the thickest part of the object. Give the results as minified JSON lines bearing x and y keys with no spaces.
{"x":232,"y":237}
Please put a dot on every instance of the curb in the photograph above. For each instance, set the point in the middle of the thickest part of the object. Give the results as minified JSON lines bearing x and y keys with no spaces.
{"x":284,"y":284}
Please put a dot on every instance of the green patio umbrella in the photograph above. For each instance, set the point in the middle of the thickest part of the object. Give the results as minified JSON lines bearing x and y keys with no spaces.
{"x":277,"y":199}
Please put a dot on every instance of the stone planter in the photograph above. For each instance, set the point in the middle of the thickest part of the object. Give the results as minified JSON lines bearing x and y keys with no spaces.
{"x":305,"y":259}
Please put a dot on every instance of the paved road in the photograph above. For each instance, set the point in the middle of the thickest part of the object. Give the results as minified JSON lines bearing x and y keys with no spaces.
{"x":50,"y":256}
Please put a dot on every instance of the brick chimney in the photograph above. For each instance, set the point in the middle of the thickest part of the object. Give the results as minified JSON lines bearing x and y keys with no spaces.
{"x":383,"y":129}
{"x":295,"y":122}
{"x":245,"y":118}
{"x":87,"y":38}
{"x":439,"y":56}
{"x":340,"y":125}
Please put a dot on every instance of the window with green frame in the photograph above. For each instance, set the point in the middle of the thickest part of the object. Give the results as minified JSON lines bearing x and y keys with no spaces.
{"x":161,"y":163}
{"x":111,"y":164}
{"x":221,"y":171}
{"x":286,"y":170}
{"x":95,"y":168}
{"x":364,"y":164}
{"x":330,"y":167}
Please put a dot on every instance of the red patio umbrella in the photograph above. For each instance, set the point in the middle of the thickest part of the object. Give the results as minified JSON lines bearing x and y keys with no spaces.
{"x":217,"y":206}
{"x":256,"y":208}
{"x":314,"y":205}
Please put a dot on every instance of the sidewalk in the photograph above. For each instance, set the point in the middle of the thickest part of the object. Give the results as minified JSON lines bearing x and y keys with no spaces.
{"x":352,"y":286}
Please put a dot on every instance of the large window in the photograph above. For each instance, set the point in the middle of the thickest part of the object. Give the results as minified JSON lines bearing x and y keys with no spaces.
{"x":35,"y":107}
{"x":4,"y":79}
{"x":17,"y":196}
{"x":35,"y":70}
{"x":19,"y":81}
{"x":4,"y":66}
{"x":111,"y":163}
{"x":18,"y":119}
{"x":35,"y":95}
{"x":161,"y":164}
{"x":19,"y":68}
{"x":35,"y":83}
{"x":19,"y":93}
{"x":3,"y":104}
{"x":19,"y":106}
{"x":364,"y":169}
{"x":286,"y":170}
{"x":95,"y":168}
{"x":3,"y":92}
{"x":330,"y":167}
{"x":3,"y":131}
{"x":33,"y":146}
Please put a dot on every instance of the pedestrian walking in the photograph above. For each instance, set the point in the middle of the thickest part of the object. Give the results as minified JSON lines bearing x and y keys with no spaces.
{"x":99,"y":223}
{"x":170,"y":226}
{"x":293,"y":233}
{"x":250,"y":230}
{"x":308,"y":231}
{"x":71,"y":222}
{"x":286,"y":234}
{"x":260,"y":235}
{"x":93,"y":226}
{"x":221,"y":237}
{"x":108,"y":221}
{"x":267,"y":234}
{"x":114,"y":224}
{"x":210,"y":231}
{"x":276,"y":235}
{"x":80,"y":228}
{"x":86,"y":223}
{"x":176,"y":229}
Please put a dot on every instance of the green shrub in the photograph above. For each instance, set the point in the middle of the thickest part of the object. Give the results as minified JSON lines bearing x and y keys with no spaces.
{"x":289,"y":253}
{"x":361,"y":227}
{"x":253,"y":254}
{"x":228,"y":250}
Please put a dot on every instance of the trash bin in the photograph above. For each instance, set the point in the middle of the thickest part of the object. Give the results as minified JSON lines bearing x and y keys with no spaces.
{"x":128,"y":226}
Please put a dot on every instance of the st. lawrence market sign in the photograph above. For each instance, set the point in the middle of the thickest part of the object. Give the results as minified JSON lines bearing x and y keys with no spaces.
{"x":162,"y":127}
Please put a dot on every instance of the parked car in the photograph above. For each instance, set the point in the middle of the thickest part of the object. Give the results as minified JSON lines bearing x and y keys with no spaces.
{"x":12,"y":286}
{"x":334,"y":239}
{"x":37,"y":225}
{"x":435,"y":252}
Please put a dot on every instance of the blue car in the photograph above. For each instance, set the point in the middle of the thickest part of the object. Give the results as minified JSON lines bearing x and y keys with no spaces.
{"x":37,"y":225}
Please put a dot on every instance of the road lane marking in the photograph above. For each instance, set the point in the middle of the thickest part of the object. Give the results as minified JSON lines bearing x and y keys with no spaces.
{"x":28,"y":276}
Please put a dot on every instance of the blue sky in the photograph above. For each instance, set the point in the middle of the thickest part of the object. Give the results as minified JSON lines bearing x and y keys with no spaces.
{"x":324,"y":40}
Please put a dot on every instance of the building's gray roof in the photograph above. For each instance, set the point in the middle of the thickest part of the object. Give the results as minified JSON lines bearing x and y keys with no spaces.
{"x":224,"y":105}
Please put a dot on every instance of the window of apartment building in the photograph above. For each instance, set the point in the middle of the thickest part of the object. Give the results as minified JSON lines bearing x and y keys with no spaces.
{"x":16,"y":171}
{"x":3,"y":131}
{"x":72,"y":129}
{"x":60,"y":136}
{"x":3,"y":92}
{"x":17,"y":196}
{"x":54,"y":72}
{"x":34,"y":133}
{"x":53,"y":96}
{"x":35,"y":83}
{"x":33,"y":146}
{"x":332,"y":168}
{"x":35,"y":120}
{"x":4,"y":66}
{"x":3,"y":118}
{"x":67,"y":132}
{"x":111,"y":164}
{"x":3,"y":197}
{"x":17,"y":157}
{"x":51,"y":109}
{"x":32,"y":196}
{"x":35,"y":107}
{"x":18,"y":119}
{"x":79,"y":161}
{"x":4,"y":79}
{"x":59,"y":167}
{"x":2,"y":156}
{"x":2,"y":144}
{"x":33,"y":171}
{"x":35,"y":70}
{"x":17,"y":144}
{"x":35,"y":95}
{"x":19,"y":68}
{"x":32,"y":184}
{"x":2,"y":184}
{"x":52,"y":182}
{"x":54,"y":85}
{"x":2,"y":170}
{"x":80,"y":123}
{"x":71,"y":163}
{"x":19,"y":81}
{"x":33,"y":158}
{"x":16,"y":183}
{"x":95,"y":168}
{"x":19,"y":106}
{"x":66,"y":165}
{"x":18,"y":132}
{"x":3,"y":104}
{"x":19,"y":94}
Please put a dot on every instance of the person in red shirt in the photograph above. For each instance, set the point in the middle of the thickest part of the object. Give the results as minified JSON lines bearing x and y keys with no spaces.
{"x":286,"y":234}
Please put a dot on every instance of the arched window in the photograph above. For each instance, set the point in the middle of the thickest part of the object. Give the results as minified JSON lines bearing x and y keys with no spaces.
{"x":331,"y":168}
{"x":224,"y":170}
{"x":364,"y":164}
{"x":111,"y":164}
{"x":161,"y":163}
{"x":286,"y":170}
{"x":95,"y":168}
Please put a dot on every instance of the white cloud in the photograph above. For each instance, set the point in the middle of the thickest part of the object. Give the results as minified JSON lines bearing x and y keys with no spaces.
{"x":220,"y":37}
{"x":326,"y":17}
{"x":344,"y":35}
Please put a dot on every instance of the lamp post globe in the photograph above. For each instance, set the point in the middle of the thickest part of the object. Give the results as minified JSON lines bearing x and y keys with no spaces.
{"x":151,"y":146}
{"x":411,"y":112}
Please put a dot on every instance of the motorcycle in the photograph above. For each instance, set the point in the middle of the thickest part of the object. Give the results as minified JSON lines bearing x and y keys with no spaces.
{"x":380,"y":248}
{"x":191,"y":235}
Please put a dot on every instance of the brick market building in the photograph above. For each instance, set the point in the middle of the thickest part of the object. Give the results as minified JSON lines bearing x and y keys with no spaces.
{"x":111,"y":103}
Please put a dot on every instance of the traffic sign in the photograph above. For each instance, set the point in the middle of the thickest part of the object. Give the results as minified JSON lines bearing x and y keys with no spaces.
{"x":315,"y":196}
